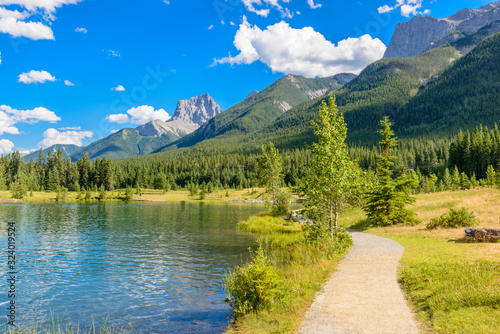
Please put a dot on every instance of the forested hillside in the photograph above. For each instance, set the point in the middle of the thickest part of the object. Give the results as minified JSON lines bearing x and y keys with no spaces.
{"x":262,"y":108}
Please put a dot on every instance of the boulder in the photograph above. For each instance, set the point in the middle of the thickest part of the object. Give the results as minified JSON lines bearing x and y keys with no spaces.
{"x":482,"y":233}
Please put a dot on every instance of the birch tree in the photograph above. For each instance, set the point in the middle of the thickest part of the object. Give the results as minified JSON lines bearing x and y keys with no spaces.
{"x":333,"y":177}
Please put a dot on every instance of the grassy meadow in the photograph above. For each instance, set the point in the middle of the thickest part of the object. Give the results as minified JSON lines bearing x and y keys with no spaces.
{"x":254,"y":194}
{"x":301,"y":270}
{"x":452,"y":283}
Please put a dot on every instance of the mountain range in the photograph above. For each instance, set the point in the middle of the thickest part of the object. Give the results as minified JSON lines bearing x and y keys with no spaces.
{"x":437,"y":75}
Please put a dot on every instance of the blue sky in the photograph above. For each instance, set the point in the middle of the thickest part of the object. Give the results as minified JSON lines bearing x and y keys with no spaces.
{"x":74,"y":71}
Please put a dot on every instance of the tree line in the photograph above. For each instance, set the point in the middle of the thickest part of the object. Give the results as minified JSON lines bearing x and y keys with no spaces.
{"x":469,"y":159}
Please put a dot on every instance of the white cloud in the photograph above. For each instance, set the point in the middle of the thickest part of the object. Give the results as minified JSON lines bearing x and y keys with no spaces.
{"x":71,"y":128}
{"x":407,"y":8}
{"x":118,"y":118}
{"x":9,"y":117}
{"x":302,"y":51}
{"x":68,"y":83}
{"x":0,"y":58}
{"x":82,"y":30}
{"x":53,"y":137}
{"x":232,"y":23}
{"x":16,"y":23}
{"x":313,"y":5}
{"x":118,"y":88}
{"x":166,"y":2}
{"x":211,"y":27}
{"x":114,"y":131}
{"x":35,"y":77}
{"x":139,"y":115}
{"x":250,"y":5}
{"x":6,"y":146}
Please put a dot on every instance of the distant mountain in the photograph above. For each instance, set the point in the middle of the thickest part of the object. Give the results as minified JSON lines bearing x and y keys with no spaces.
{"x":252,"y":93}
{"x":66,"y":150}
{"x":188,"y":116}
{"x":145,"y":139}
{"x":261,"y":109}
{"x":423,"y":33}
{"x":432,"y":94}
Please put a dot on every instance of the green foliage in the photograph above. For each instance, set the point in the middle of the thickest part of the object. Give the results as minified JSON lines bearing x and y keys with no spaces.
{"x":456,"y":295}
{"x":203,"y":195}
{"x":18,"y":189}
{"x":386,"y":201}
{"x":61,"y":194}
{"x":129,"y":194}
{"x":252,"y":286}
{"x":455,"y":218}
{"x":270,"y":174}
{"x":102,"y":193}
{"x":333,"y":178}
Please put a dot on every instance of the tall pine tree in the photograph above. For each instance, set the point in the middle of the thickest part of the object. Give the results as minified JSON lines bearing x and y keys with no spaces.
{"x":386,"y":202}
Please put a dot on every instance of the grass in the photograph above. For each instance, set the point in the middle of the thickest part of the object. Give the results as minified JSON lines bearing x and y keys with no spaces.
{"x":149,"y":195}
{"x":302,"y":270}
{"x":56,"y":327}
{"x":452,"y":284}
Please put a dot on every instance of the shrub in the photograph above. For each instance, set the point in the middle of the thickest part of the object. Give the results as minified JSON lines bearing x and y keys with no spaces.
{"x":455,"y":218}
{"x":252,"y":286}
{"x":129,"y":194}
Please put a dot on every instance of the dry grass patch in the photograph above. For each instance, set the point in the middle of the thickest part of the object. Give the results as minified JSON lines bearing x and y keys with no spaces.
{"x":453,"y":284}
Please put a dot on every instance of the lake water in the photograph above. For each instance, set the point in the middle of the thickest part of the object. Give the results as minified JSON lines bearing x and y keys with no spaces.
{"x":155,"y":267}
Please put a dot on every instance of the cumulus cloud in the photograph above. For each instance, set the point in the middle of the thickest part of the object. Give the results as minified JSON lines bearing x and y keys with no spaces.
{"x":211,"y":27}
{"x":118,"y":88}
{"x":19,"y":24}
{"x":53,"y":137}
{"x":139,"y":115}
{"x":251,"y":5}
{"x":406,"y":7}
{"x":9,"y":117}
{"x":35,"y":77}
{"x":313,"y":5}
{"x":82,"y":30}
{"x":68,"y":83}
{"x":302,"y":51}
{"x":6,"y":146}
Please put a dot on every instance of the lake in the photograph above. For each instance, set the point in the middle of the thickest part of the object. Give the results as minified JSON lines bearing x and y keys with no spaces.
{"x":155,"y":267}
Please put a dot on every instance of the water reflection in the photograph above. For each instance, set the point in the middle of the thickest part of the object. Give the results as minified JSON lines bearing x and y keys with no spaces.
{"x":155,"y":266}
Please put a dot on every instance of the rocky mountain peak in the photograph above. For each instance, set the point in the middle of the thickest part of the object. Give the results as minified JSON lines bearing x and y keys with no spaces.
{"x":188,"y":116}
{"x":413,"y":37}
{"x":197,"y":110}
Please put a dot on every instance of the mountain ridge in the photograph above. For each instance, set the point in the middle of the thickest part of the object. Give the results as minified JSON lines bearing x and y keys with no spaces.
{"x":419,"y":34}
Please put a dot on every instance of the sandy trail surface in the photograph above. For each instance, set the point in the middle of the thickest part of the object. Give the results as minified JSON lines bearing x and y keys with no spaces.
{"x":363,"y":296}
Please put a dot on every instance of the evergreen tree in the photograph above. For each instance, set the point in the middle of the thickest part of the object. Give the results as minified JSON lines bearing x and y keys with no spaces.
{"x":447,"y":180}
{"x":270,"y":174}
{"x":490,"y":175}
{"x":386,"y":201}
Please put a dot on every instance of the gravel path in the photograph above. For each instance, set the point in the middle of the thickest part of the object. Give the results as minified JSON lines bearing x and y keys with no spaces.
{"x":363,"y":296}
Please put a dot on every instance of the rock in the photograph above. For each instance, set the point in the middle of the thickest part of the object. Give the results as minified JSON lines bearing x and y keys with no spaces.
{"x":252,"y":94}
{"x":482,"y":233}
{"x":283,"y":105}
{"x":188,"y":116}
{"x":422,"y":33}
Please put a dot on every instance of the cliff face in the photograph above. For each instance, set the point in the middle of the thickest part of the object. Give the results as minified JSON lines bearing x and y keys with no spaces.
{"x":422,"y":33}
{"x":188,"y":116}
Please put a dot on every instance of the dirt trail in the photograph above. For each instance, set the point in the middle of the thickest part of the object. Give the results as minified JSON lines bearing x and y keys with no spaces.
{"x":363,"y":296}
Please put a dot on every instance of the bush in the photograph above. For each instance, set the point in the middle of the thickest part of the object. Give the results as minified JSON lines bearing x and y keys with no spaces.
{"x":252,"y":286}
{"x":455,"y":218}
{"x":129,"y":194}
